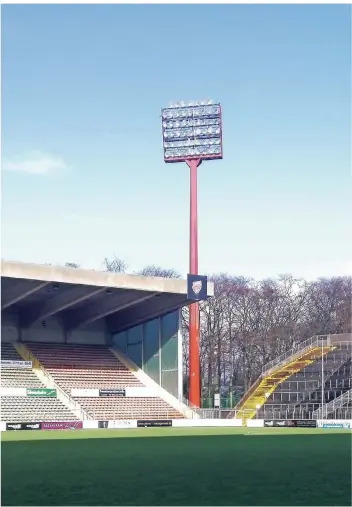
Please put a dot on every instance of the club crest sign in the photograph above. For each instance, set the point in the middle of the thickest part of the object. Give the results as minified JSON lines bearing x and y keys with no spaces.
{"x":196,"y":287}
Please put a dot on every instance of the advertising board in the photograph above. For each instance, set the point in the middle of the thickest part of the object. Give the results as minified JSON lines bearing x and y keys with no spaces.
{"x":124,"y":424}
{"x":85,"y":393}
{"x":335,"y":424}
{"x":10,"y":363}
{"x":13,"y":391}
{"x":154,"y":423}
{"x":62,"y":425}
{"x":112,"y":392}
{"x":23,"y":426}
{"x":41,"y":393}
{"x":211,"y":423}
{"x":255,"y":423}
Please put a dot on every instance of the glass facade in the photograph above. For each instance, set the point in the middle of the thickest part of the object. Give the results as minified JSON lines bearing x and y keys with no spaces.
{"x":153,"y":347}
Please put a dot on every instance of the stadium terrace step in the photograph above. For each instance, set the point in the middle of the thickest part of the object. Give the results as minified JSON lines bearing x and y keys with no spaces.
{"x":264,"y":387}
{"x":333,"y":405}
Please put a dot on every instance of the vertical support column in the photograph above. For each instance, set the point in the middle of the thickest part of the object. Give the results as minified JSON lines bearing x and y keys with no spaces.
{"x":194,"y":366}
{"x":180,"y":357}
{"x":160,"y":351}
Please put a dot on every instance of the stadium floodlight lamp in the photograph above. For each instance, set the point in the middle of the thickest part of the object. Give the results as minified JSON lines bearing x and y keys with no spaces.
{"x":198,"y":123}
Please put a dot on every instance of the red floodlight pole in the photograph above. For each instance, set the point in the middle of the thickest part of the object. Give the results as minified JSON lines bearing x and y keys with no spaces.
{"x":194,"y":363}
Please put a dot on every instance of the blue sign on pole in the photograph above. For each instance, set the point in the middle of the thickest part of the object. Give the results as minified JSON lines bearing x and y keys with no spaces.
{"x":197,"y":287}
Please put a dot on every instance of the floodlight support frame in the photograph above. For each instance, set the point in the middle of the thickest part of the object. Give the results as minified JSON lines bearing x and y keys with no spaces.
{"x":194,"y":361}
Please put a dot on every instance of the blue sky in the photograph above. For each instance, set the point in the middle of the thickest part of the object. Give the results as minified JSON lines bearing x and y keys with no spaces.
{"x":83,"y":173}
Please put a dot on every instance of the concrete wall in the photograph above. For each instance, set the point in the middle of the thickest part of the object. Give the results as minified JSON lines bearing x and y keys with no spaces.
{"x":9,"y":327}
{"x":154,"y":347}
{"x":94,"y":334}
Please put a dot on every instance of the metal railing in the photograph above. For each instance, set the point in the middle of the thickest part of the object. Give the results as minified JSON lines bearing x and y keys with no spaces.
{"x":305,"y":411}
{"x":333,"y":405}
{"x":152,"y":414}
{"x":297,"y":349}
{"x":208,"y":413}
{"x":117,"y":415}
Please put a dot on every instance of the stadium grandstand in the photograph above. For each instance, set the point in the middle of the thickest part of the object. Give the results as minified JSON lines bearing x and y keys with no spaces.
{"x":312,"y":381}
{"x":79,"y":345}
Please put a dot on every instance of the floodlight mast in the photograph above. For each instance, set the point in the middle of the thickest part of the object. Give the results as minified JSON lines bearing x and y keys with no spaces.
{"x":192,"y":133}
{"x":194,"y":362}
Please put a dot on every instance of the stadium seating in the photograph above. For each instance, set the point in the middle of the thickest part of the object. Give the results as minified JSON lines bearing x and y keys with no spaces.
{"x":27,"y":409}
{"x":300,"y":396}
{"x":83,"y":366}
{"x":104,"y":409}
{"x":94,"y":367}
{"x":22,"y":409}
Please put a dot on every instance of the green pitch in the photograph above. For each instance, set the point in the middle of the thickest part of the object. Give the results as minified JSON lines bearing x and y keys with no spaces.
{"x":169,"y":466}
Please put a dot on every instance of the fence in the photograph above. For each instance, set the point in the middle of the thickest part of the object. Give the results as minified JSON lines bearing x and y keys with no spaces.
{"x":298,"y":348}
{"x":337,"y":403}
{"x":301,"y":412}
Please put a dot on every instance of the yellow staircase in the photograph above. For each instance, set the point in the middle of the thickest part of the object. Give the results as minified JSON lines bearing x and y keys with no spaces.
{"x":261,"y":390}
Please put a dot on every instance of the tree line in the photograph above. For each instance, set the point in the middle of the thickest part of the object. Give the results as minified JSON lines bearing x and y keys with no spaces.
{"x":249,"y":323}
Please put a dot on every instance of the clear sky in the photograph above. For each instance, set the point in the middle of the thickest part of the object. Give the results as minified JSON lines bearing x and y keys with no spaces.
{"x":83,"y":172}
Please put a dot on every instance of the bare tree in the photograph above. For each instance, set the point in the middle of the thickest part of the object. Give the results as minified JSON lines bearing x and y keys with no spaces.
{"x":248,"y":323}
{"x":153,"y":270}
{"x":71,"y":265}
{"x":115,"y":265}
{"x":329,"y":309}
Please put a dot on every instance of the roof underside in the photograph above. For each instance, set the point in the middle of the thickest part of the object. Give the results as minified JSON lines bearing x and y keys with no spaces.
{"x":79,"y":297}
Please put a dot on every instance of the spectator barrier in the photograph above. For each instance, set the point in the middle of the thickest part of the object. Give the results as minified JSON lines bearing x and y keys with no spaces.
{"x":334,"y":423}
{"x":175,"y":423}
{"x":38,"y":392}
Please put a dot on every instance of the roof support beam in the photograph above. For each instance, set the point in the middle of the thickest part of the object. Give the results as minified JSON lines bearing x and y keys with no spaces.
{"x":41,"y":311}
{"x":90,"y":314}
{"x":17,"y":293}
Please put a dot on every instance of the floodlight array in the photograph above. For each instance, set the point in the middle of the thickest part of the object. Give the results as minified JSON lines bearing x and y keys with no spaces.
{"x":192,"y":131}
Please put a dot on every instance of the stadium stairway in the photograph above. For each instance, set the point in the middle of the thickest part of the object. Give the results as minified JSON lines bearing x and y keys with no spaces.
{"x":149,"y":382}
{"x":49,"y":382}
{"x":277,"y":372}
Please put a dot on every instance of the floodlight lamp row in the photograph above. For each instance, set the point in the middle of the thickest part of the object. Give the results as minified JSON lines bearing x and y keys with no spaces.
{"x":192,"y":103}
{"x":191,"y":123}
{"x":197,"y":112}
{"x":192,"y":142}
{"x":201,"y":131}
{"x":191,"y":152}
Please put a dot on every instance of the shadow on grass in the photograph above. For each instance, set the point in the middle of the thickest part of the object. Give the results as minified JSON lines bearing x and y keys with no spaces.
{"x":189,"y":470}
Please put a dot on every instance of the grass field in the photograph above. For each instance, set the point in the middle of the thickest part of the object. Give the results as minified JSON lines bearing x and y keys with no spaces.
{"x":169,"y":466}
